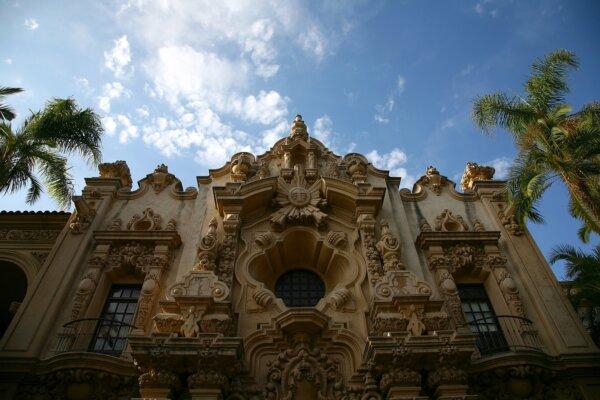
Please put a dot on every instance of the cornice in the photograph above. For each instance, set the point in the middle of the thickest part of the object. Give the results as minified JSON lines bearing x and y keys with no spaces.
{"x":169,"y":238}
{"x":426,"y":239}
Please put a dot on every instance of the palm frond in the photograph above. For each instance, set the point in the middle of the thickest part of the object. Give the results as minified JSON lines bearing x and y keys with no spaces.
{"x":547,"y":85}
{"x":6,"y":112}
{"x":497,"y":109}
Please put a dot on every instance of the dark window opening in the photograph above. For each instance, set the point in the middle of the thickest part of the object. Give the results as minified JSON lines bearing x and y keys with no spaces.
{"x":481,"y":319}
{"x":300,"y":288}
{"x":116,"y":320}
{"x":13,"y":287}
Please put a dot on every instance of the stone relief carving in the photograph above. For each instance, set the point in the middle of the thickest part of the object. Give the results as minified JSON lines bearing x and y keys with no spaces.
{"x":208,"y":248}
{"x":389,"y":248}
{"x":131,"y":255}
{"x":241,"y":164}
{"x":28,"y":234}
{"x":40,"y":255}
{"x":115,"y":225}
{"x":448,"y":222}
{"x":84,"y":216}
{"x":160,"y":179}
{"x":478,"y":226}
{"x":475,"y":172}
{"x":300,"y":204}
{"x":433,"y":180}
{"x":424,"y":225}
{"x":148,"y":221}
{"x":228,"y":249}
{"x":509,"y":221}
{"x":339,"y":297}
{"x":366,"y":229}
{"x":304,"y":371}
{"x":117,"y":169}
{"x":264,"y":239}
{"x":356,"y":167}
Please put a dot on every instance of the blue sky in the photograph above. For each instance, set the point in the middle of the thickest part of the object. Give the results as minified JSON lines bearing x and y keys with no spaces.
{"x":190,"y":83}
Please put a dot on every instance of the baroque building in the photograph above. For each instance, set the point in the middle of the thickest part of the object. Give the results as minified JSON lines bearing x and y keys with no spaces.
{"x":295,"y":274}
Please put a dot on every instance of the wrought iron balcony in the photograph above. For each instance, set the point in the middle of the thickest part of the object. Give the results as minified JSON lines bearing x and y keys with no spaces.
{"x":95,"y":335}
{"x":505,"y":333}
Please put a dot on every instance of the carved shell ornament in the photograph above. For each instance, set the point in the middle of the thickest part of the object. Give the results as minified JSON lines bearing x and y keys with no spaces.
{"x":300,"y":204}
{"x":148,"y":221}
{"x":448,"y":222}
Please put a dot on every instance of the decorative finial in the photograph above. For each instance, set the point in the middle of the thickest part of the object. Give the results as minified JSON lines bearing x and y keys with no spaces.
{"x":298,"y":130}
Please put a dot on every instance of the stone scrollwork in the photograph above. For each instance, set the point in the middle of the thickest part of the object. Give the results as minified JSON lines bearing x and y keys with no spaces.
{"x":509,"y":221}
{"x":300,"y":204}
{"x":202,"y":284}
{"x":208,"y":248}
{"x":475,"y":172}
{"x":366,"y":228}
{"x":336,"y":239}
{"x":83,"y":218}
{"x":339,"y":297}
{"x":399,"y":283}
{"x":450,"y":292}
{"x":389,"y":248}
{"x":264,"y":240}
{"x":263,"y":297}
{"x":228,"y":249}
{"x":241,"y":163}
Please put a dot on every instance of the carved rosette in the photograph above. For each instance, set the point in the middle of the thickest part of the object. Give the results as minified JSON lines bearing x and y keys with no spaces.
{"x":300,"y":204}
{"x":389,"y":248}
{"x":148,"y":221}
{"x":366,"y":229}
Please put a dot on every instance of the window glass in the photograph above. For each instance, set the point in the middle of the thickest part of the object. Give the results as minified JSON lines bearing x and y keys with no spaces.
{"x":114,"y":324}
{"x":300,"y":288}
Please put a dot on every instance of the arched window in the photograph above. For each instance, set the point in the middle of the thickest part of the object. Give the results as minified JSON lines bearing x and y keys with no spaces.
{"x":13,"y":287}
{"x":300,"y":288}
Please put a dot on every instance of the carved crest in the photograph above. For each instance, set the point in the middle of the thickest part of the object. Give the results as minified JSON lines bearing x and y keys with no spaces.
{"x":161,"y":178}
{"x":433,"y":180}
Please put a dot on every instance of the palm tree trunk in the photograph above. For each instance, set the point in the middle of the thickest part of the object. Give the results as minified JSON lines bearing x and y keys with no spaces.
{"x":579,"y":189}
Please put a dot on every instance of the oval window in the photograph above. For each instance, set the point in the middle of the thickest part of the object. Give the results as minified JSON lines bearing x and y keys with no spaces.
{"x":300,"y":288}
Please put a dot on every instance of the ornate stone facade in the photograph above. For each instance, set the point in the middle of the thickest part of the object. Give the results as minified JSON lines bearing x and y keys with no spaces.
{"x":383,"y":305}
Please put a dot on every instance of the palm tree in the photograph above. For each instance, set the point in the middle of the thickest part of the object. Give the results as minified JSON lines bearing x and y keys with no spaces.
{"x":553,"y":142}
{"x":40,"y":146}
{"x":584,"y":271}
{"x":6,"y":112}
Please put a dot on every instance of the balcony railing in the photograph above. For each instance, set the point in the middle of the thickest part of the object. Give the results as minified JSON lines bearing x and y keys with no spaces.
{"x":95,"y":335}
{"x":505,"y":333}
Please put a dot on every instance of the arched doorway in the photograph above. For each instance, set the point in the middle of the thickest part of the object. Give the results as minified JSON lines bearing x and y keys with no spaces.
{"x":13,"y":287}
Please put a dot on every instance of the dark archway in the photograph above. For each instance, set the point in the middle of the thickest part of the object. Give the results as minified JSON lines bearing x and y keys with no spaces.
{"x":13,"y":287}
{"x":300,"y":288}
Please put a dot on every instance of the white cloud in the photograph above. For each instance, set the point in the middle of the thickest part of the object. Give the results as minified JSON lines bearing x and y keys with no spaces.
{"x":31,"y":24}
{"x":266,"y":108}
{"x":118,"y":59}
{"x":128,"y":130}
{"x":143,"y":111}
{"x":479,"y":8}
{"x":501,"y":165}
{"x":448,"y":123}
{"x":323,"y":130}
{"x":81,"y":82}
{"x":393,"y":162}
{"x":110,"y":91}
{"x":262,"y":52}
{"x":313,"y":42}
{"x":109,"y":124}
{"x":401,"y":83}
{"x":382,"y":111}
{"x":8,"y":61}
